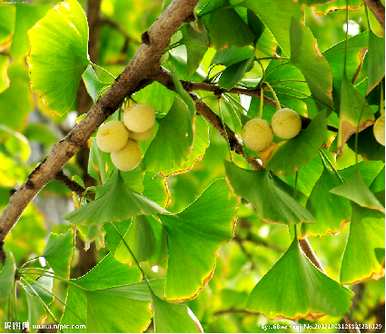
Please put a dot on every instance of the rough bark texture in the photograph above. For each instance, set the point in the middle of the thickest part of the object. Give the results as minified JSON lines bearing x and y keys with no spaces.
{"x":135,"y":76}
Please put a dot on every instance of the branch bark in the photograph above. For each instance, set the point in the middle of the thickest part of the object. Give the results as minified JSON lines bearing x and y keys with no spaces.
{"x":134,"y":77}
{"x":378,"y":10}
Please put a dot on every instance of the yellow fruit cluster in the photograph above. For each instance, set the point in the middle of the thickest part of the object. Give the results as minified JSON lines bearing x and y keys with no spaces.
{"x":121,"y":138}
{"x":257,"y":134}
{"x":379,"y":130}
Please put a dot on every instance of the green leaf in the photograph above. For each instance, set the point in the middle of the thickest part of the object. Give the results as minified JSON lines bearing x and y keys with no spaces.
{"x":367,"y":233}
{"x":196,"y":42}
{"x":330,"y":211}
{"x":116,"y":202}
{"x":272,"y":203}
{"x":59,"y":252}
{"x":7,"y":277}
{"x":4,"y":79}
{"x":7,"y":25}
{"x":306,"y":56}
{"x":356,"y":47}
{"x":96,"y":82}
{"x":376,"y":61}
{"x":294,"y":288}
{"x":353,"y":110}
{"x":295,"y":153}
{"x":174,"y":138}
{"x":233,"y":55}
{"x":356,"y":190}
{"x":276,"y":15}
{"x":174,"y":318}
{"x":59,"y":54}
{"x":199,"y":229}
{"x":157,"y":96}
{"x":95,"y":299}
{"x":226,"y":28}
{"x":18,"y":96}
{"x":141,"y":240}
{"x":234,"y":73}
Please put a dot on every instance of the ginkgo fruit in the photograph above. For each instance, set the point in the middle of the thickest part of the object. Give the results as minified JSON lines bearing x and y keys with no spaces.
{"x":112,"y":136}
{"x":379,"y":130}
{"x":257,"y":134}
{"x":139,"y":118}
{"x":128,"y":157}
{"x":141,"y":135}
{"x":286,"y":123}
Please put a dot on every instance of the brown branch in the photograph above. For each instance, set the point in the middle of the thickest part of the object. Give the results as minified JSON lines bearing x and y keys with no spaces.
{"x":70,"y":184}
{"x":225,"y":132}
{"x":378,"y":10}
{"x":135,"y":76}
{"x":164,"y":77}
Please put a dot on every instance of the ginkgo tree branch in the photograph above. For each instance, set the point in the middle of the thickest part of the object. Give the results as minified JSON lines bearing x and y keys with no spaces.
{"x":134,"y":76}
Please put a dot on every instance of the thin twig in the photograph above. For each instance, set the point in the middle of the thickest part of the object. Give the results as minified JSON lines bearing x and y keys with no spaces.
{"x":70,"y":184}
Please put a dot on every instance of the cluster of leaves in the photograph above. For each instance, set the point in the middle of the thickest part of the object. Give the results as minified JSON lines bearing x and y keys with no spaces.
{"x":179,"y":248}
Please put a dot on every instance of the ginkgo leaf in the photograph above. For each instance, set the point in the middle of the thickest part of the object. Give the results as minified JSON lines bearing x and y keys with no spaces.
{"x":295,"y":153}
{"x":199,"y":229}
{"x":59,"y":251}
{"x":279,"y":23}
{"x":355,"y":189}
{"x":376,"y":61}
{"x":59,"y":54}
{"x":7,"y":277}
{"x":367,"y":233}
{"x":108,"y":298}
{"x":272,"y":203}
{"x":116,"y":202}
{"x":174,"y":318}
{"x":173,"y":140}
{"x":353,"y":110}
{"x":306,"y":56}
{"x":4,"y":79}
{"x":330,"y":211}
{"x":294,"y":288}
{"x":141,"y":239}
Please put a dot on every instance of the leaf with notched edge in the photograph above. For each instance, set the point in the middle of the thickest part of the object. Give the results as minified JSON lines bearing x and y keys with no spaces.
{"x":272,"y":203}
{"x":59,"y":54}
{"x":194,"y":236}
{"x":295,"y":289}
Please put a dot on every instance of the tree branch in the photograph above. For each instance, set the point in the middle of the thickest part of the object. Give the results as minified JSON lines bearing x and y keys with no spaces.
{"x":70,"y":184}
{"x":135,"y":76}
{"x":378,"y":10}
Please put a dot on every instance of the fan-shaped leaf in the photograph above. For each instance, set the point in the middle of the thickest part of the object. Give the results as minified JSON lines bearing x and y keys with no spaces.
{"x":169,"y":148}
{"x":306,"y":56}
{"x":59,"y":251}
{"x":59,"y":54}
{"x":7,"y":277}
{"x":330,"y":211}
{"x":367,"y":233}
{"x":376,"y":62}
{"x":95,"y":298}
{"x":355,"y":189}
{"x":194,"y":235}
{"x":294,"y":288}
{"x":272,"y":203}
{"x":115,"y":203}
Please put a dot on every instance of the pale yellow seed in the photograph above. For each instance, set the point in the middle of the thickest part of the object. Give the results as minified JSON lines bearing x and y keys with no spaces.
{"x":286,"y":123}
{"x":139,"y":118}
{"x":112,"y":136}
{"x":379,"y":130}
{"x":257,"y":134}
{"x":128,"y":158}
{"x":139,"y":136}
